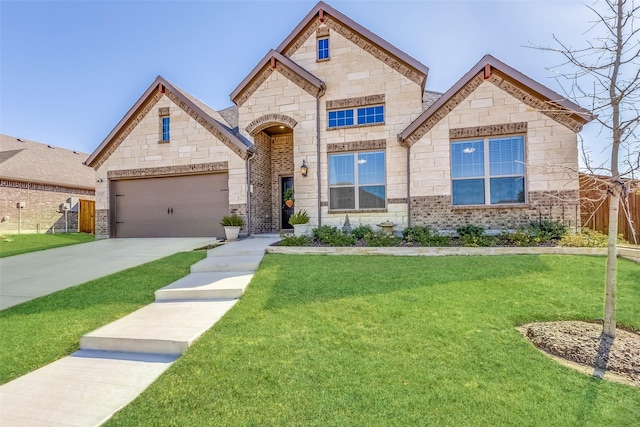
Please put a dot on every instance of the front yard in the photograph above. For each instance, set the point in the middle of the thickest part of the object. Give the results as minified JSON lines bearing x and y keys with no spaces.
{"x":364,"y":340}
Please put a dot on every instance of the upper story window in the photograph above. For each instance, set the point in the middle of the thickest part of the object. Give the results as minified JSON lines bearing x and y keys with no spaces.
{"x":488,"y":171}
{"x":357,"y":180}
{"x":323,"y":48}
{"x":363,"y":116}
{"x":165,"y":124}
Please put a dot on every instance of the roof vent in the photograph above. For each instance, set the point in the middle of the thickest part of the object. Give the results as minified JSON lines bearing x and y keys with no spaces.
{"x":53,"y":148}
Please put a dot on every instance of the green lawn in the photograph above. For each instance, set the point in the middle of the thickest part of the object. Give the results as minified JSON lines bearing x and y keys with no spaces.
{"x":364,"y":340}
{"x":38,"y":332}
{"x":23,"y":243}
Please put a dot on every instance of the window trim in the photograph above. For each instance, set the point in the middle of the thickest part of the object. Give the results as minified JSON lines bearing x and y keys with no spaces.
{"x":356,"y":185}
{"x":163,"y":113}
{"x":487,"y":176}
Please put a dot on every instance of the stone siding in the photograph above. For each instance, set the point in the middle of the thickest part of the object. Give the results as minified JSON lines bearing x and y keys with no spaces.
{"x":41,"y":211}
{"x":103,"y":225}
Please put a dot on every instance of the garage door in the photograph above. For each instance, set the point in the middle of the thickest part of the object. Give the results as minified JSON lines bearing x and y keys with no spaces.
{"x":183,"y":206}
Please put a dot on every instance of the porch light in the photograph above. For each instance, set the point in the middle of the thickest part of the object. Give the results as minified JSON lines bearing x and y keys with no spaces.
{"x":304,"y":169}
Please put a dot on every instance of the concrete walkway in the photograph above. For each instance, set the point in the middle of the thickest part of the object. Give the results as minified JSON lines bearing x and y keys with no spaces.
{"x":118,"y":361}
{"x":28,"y":276}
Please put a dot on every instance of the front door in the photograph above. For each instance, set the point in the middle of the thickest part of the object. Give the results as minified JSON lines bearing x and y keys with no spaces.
{"x":286,"y":182}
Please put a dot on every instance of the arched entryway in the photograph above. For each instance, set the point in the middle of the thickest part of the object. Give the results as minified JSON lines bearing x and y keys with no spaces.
{"x":272,"y":173}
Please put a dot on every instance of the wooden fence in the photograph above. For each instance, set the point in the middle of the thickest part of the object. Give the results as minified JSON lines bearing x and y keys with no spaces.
{"x":594,"y":209}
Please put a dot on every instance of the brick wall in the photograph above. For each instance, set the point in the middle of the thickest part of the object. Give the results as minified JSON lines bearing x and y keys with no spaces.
{"x":261,"y":211}
{"x":438,"y":213}
{"x":103,"y":229}
{"x":42,"y":203}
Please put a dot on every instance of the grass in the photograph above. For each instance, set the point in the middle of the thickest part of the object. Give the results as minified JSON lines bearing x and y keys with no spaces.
{"x":365,"y":340}
{"x":38,"y":332}
{"x":24,"y":243}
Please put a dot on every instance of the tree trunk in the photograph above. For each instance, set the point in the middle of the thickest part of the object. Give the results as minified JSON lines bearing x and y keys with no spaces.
{"x":612,"y":253}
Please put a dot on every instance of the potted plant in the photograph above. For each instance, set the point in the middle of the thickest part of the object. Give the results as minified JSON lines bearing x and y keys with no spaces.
{"x":299,"y":220}
{"x":288,"y":197}
{"x":231,"y":224}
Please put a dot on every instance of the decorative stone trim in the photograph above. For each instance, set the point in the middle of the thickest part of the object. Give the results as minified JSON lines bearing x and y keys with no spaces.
{"x":243,"y":154}
{"x":125,"y":131}
{"x":491,"y":130}
{"x":169,"y":170}
{"x":163,"y":111}
{"x":269,"y":120}
{"x":322,"y":32}
{"x":432,"y":251}
{"x":250,"y":89}
{"x":357,"y":145}
{"x":548,"y":108}
{"x":23,"y":185}
{"x":302,"y":37}
{"x":445,"y":109}
{"x":299,"y":81}
{"x":398,"y":200}
{"x":355,"y":102}
{"x":377,"y":52}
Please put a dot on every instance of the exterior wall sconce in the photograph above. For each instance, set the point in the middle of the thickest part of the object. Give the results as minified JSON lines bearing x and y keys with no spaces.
{"x":304,"y":169}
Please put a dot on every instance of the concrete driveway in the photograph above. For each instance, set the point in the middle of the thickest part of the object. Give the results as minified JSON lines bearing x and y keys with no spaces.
{"x":28,"y":276}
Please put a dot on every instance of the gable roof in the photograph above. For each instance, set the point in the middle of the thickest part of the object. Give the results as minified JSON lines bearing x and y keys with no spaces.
{"x":33,"y":162}
{"x":274,"y":61}
{"x":508,"y":79}
{"x":348,"y":28}
{"x":206,"y":116}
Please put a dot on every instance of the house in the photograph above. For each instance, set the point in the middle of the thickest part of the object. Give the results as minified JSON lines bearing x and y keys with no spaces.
{"x":44,"y":189}
{"x":343,"y":117}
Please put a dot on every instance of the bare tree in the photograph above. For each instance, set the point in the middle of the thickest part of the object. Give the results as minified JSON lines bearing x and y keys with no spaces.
{"x":605,"y":75}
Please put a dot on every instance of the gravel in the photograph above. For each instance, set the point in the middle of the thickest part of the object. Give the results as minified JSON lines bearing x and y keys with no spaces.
{"x":585,"y":344}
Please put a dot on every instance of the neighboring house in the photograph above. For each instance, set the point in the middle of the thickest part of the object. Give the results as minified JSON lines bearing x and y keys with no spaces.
{"x":42,"y":186}
{"x":497,"y":149}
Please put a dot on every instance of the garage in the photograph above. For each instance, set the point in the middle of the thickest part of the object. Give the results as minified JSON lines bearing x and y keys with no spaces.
{"x":176,"y":206}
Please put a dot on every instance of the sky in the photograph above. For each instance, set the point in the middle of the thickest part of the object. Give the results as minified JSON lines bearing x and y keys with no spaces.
{"x":70,"y":70}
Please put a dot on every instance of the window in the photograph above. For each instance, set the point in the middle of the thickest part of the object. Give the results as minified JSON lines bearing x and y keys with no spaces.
{"x":371,"y":115}
{"x":340,"y":118}
{"x":472,"y":183}
{"x":357,"y":180}
{"x":364,"y":116}
{"x":323,"y":48}
{"x":165,"y":124}
{"x":166,"y":127}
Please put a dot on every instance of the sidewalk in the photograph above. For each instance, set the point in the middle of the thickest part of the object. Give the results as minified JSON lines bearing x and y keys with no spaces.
{"x":120,"y":360}
{"x":28,"y":276}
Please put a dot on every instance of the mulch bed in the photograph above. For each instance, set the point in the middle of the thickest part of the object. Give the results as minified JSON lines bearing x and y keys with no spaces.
{"x":585,"y":344}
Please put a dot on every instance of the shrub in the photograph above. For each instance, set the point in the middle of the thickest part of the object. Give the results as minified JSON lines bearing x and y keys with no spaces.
{"x":232,"y":220}
{"x":424,"y":236}
{"x":299,"y":217}
{"x":361,"y":231}
{"x":587,"y":238}
{"x":470,"y":230}
{"x":296,"y":241}
{"x":554,"y":229}
{"x":381,"y":239}
{"x":333,"y":237}
{"x":478,"y":241}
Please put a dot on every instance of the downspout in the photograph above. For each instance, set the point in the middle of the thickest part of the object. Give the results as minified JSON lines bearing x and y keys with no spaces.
{"x":408,"y":185}
{"x":318,"y":160}
{"x":249,"y":158}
